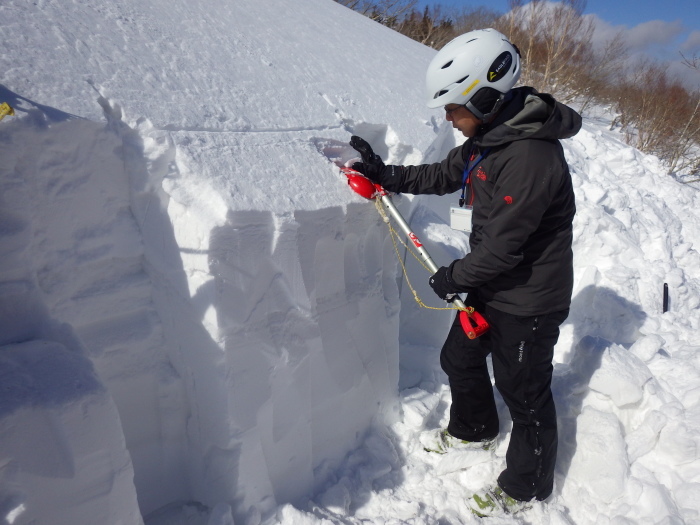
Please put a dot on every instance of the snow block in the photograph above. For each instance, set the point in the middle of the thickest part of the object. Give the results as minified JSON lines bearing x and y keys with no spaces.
{"x":600,"y":465}
{"x":63,"y":458}
{"x":621,"y":376}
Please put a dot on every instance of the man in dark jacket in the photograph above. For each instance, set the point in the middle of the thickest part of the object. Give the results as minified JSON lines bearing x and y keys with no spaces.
{"x":514,"y":178}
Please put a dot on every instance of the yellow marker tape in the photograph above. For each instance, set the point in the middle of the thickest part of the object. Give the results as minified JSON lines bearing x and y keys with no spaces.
{"x":6,"y":109}
{"x":466,"y":91}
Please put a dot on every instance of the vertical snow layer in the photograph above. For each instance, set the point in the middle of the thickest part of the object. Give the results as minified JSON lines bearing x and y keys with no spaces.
{"x":63,"y":456}
{"x":246,"y":349}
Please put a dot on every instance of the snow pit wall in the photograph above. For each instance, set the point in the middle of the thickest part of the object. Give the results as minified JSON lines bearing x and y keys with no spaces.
{"x":224,"y":336}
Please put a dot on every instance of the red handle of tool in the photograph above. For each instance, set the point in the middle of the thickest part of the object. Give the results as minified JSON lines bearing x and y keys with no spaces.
{"x":361,"y":184}
{"x":473,"y":323}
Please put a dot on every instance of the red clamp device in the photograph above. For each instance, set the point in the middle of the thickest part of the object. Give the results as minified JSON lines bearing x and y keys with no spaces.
{"x":473,"y":323}
{"x":361,"y":184}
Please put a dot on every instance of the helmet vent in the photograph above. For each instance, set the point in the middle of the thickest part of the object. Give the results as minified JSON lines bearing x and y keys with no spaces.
{"x":447,"y":65}
{"x":462,"y":80}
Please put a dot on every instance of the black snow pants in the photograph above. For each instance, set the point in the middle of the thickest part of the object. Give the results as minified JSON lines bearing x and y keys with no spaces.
{"x":522,"y":350}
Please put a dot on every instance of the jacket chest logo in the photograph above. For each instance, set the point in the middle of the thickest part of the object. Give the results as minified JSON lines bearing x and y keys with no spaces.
{"x":481,"y":174}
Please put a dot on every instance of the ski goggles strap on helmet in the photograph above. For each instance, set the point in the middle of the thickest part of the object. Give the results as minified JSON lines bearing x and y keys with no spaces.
{"x":486,"y":102}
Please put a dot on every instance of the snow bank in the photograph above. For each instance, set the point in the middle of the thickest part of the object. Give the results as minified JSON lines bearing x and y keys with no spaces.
{"x":63,"y":457}
{"x":224,"y":338}
{"x":181,"y":214}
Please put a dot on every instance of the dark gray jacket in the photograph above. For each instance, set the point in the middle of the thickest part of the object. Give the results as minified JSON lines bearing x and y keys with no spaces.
{"x":521,"y":260}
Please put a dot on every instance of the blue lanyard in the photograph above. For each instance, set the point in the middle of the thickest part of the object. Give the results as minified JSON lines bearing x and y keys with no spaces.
{"x":466,"y":176}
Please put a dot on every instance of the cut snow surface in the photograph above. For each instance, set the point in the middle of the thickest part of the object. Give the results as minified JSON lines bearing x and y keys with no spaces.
{"x":201,"y":324}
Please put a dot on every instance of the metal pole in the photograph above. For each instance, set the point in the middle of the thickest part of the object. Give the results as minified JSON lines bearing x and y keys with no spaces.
{"x":396,"y":214}
{"x":369,"y":190}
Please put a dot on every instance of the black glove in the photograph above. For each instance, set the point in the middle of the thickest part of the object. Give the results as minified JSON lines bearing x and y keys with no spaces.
{"x":442,"y":284}
{"x":372,"y":166}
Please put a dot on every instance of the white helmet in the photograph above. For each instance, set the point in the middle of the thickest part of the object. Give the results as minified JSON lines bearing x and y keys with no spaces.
{"x":468,"y":64}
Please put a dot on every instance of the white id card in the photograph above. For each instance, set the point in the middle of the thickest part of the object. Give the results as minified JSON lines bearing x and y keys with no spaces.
{"x":461,"y":218}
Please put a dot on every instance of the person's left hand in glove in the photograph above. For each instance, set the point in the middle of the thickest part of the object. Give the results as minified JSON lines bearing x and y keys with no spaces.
{"x":372,"y":166}
{"x":442,"y":284}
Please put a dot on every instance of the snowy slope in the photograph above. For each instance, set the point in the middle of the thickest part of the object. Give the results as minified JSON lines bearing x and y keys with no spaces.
{"x":201,"y":323}
{"x":172,"y":204}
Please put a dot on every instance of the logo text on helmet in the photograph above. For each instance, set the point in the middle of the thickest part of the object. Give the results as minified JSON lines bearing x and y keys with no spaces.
{"x":473,"y":84}
{"x":500,"y":66}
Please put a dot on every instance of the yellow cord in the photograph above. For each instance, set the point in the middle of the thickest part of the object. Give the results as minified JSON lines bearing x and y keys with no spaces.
{"x":394,"y":236}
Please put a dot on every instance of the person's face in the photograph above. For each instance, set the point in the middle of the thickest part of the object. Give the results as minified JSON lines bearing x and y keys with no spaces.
{"x":462,"y":119}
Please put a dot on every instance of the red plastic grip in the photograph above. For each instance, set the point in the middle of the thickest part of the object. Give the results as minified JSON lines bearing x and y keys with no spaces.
{"x":473,"y":323}
{"x":361,"y":184}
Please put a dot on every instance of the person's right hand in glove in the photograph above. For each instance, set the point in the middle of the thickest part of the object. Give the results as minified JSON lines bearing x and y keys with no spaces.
{"x":444,"y":286}
{"x":372,"y":166}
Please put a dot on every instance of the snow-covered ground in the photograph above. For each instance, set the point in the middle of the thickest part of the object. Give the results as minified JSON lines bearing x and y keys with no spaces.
{"x":201,"y":324}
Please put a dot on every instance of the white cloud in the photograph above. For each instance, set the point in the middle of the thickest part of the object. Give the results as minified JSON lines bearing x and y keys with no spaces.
{"x":641,"y":37}
{"x":692,"y":43}
{"x":604,"y":31}
{"x":656,"y":39}
{"x":647,"y":34}
{"x":688,"y":77}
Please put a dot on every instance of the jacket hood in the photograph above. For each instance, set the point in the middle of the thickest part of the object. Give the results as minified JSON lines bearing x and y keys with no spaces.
{"x":530,"y":115}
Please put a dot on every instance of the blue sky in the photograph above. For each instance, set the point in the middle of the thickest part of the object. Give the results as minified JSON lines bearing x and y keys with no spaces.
{"x":631,"y":13}
{"x":617,"y":12}
{"x":660,"y":30}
